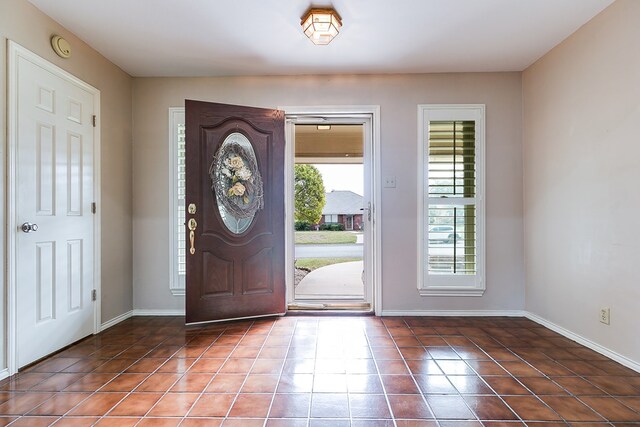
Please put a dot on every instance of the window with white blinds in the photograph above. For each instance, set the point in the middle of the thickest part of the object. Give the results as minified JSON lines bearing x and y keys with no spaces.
{"x":452,"y":209}
{"x":177,"y":214}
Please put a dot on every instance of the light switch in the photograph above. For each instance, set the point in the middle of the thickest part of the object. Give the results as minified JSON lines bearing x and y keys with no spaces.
{"x":389,"y":182}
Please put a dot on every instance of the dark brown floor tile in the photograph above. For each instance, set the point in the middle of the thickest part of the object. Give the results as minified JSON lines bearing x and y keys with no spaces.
{"x":329,"y":405}
{"x":114,"y":366}
{"x":506,"y":385}
{"x":577,"y":386}
{"x":430,"y":340}
{"x":145,"y":365}
{"x":455,"y":367}
{"x":631,"y":402}
{"x":124,"y":382}
{"x":419,"y":423}
{"x":469,"y":384}
{"x":319,"y":422}
{"x":424,"y":367}
{"x":258,"y":383}
{"x":295,"y":405}
{"x":435,"y":384}
{"x":551,"y":368}
{"x":267,"y":366}
{"x":98,"y":404}
{"x":521,"y":369}
{"x":192,"y":382}
{"x":59,"y":404}
{"x":84,"y":365}
{"x":471,"y":353}
{"x":571,"y":409}
{"x":487,"y":367}
{"x":117,"y":422}
{"x":406,"y":341}
{"x":202,"y":422}
{"x":158,"y":382}
{"x":581,"y":367}
{"x":135,"y":404}
{"x":617,"y":386}
{"x":212,"y":405}
{"x":218,"y":352}
{"x":454,"y":423}
{"x":4,"y":421}
{"x":392,"y":367}
{"x":34,"y":421}
{"x":55,"y":364}
{"x":414,"y":353}
{"x":295,"y":383}
{"x":173,"y":405}
{"x":369,"y":406}
{"x":489,"y":408}
{"x":84,"y":422}
{"x":23,"y":403}
{"x":235,"y":366}
{"x":208,"y":366}
{"x":399,"y":384}
{"x":542,"y":386}
{"x":159,"y":422}
{"x":449,"y":407}
{"x":58,"y":382}
{"x":178,"y":365}
{"x":243,"y":422}
{"x":611,"y":409}
{"x":530,"y":408}
{"x":251,"y":406}
{"x":90,"y":382}
{"x":409,"y":406}
{"x":24,"y":381}
{"x":226,"y":383}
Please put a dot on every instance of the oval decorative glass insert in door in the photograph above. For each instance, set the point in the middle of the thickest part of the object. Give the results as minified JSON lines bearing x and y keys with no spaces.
{"x":236,"y":182}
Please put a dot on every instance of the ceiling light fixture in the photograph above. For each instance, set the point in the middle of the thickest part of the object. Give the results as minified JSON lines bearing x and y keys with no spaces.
{"x":321,"y":25}
{"x":323,"y":127}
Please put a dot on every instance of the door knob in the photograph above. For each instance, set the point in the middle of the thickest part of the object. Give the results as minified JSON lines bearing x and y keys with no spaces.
{"x":28,"y":227}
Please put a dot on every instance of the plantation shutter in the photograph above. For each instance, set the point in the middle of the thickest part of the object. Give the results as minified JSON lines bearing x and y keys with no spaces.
{"x":453,"y":208}
{"x":180,"y":194}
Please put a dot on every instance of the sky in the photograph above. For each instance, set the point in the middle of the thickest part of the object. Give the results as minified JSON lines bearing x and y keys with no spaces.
{"x":342,"y":177}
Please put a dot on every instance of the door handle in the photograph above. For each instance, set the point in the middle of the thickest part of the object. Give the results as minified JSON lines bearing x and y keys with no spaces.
{"x":368,"y":209}
{"x":192,"y":225}
{"x":28,"y":227}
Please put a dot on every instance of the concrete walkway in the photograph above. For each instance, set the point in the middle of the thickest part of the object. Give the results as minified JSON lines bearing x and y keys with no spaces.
{"x":336,"y":281}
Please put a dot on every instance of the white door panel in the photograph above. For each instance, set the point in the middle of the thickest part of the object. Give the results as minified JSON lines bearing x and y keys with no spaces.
{"x":54,"y":189}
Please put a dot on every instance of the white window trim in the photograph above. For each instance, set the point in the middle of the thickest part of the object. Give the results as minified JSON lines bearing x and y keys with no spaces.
{"x":452,"y":285}
{"x":176,"y":280}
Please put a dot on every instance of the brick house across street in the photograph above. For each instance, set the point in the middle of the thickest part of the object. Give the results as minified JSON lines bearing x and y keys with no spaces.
{"x":343,"y":207}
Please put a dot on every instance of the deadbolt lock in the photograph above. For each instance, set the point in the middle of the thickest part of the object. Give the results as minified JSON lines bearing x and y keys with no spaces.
{"x":192,"y":208}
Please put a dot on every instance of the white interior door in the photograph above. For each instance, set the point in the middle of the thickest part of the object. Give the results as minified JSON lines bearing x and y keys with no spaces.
{"x":54,"y":185}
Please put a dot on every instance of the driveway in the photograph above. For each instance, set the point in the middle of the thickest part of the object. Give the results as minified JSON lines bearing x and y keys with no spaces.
{"x":329,"y":251}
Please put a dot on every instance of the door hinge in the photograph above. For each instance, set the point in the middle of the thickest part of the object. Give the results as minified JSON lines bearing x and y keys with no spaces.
{"x":94,"y":295}
{"x":94,"y":120}
{"x":94,"y":208}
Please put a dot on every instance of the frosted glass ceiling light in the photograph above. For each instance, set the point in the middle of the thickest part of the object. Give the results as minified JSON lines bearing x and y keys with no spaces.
{"x":321,"y":25}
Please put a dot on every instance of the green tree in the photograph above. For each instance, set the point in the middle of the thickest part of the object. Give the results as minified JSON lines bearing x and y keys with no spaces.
{"x":309,"y":194}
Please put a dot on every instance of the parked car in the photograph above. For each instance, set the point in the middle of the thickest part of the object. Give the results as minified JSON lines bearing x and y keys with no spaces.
{"x":443,"y":234}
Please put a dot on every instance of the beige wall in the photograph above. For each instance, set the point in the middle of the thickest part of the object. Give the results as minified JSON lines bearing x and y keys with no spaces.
{"x":24,"y":24}
{"x":581,"y":175}
{"x":398,"y":97}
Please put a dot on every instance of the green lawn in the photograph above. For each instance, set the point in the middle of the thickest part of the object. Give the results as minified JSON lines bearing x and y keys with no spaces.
{"x":324,"y":237}
{"x":315,"y":263}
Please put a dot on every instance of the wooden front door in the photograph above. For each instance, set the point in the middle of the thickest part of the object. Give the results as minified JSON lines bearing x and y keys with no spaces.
{"x":234,"y":166}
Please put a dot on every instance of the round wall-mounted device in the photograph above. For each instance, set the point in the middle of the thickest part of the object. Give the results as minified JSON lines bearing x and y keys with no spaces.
{"x":61,"y":47}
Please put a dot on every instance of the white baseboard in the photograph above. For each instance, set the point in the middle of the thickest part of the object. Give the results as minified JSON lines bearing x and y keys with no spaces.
{"x":151,"y":312}
{"x":116,"y":320}
{"x":623,"y":360}
{"x":450,"y":313}
{"x":4,"y":373}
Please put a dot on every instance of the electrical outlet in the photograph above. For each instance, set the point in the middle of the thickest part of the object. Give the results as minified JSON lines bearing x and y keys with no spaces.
{"x":605,"y":315}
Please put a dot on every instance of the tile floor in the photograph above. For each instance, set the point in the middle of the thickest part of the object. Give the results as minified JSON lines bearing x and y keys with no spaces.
{"x":324,"y":371}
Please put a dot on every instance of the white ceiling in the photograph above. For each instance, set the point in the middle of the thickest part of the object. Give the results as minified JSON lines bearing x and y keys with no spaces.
{"x":263,"y":37}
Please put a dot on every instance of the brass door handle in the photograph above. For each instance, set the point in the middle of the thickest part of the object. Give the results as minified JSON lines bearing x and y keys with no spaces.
{"x":192,"y":225}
